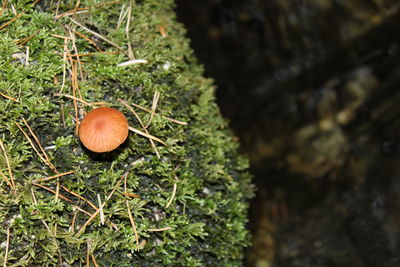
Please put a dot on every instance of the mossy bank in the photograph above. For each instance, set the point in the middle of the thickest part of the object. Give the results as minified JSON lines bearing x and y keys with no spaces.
{"x":181,"y":203}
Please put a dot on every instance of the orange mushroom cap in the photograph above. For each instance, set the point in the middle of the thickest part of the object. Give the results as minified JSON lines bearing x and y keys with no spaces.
{"x":103,"y":129}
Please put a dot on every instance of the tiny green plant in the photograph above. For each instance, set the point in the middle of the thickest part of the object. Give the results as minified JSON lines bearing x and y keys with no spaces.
{"x":175,"y":193}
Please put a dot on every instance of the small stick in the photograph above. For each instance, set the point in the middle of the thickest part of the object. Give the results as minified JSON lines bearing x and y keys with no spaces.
{"x":131,"y":62}
{"x":9,"y":97}
{"x":95,"y":34}
{"x":11,"y":21}
{"x":160,"y":229}
{"x":8,"y":164}
{"x":97,"y":211}
{"x":52,"y":177}
{"x":131,"y":217}
{"x":7,"y":247}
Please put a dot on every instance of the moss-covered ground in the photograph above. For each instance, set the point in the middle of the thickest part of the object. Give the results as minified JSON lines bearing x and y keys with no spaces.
{"x":182,"y":203}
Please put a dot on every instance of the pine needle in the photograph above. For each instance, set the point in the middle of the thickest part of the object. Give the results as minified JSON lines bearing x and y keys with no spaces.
{"x":9,"y":97}
{"x":10,"y":21}
{"x":131,"y":217}
{"x":141,"y":123}
{"x":131,"y":195}
{"x":97,"y":211}
{"x":6,"y":179}
{"x":47,"y":160}
{"x":160,"y":229}
{"x":88,"y":39}
{"x":94,"y":261}
{"x":8,"y":165}
{"x":3,"y":7}
{"x":80,"y":197}
{"x":7,"y":247}
{"x":52,"y":177}
{"x":147,"y":135}
{"x":165,"y":117}
{"x":172,"y":196}
{"x":95,"y":34}
{"x":52,"y":191}
{"x":83,"y":101}
{"x":156,"y":97}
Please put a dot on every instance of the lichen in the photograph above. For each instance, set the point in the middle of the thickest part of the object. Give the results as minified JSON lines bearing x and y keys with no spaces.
{"x":205,"y":222}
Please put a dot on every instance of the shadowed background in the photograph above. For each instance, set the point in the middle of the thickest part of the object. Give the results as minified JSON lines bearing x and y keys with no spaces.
{"x":311,"y":89}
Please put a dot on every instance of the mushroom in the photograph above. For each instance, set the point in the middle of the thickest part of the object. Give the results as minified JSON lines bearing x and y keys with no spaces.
{"x":103,"y":129}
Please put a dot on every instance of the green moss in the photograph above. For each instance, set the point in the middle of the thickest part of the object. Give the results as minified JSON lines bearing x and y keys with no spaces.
{"x":206,"y":220}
